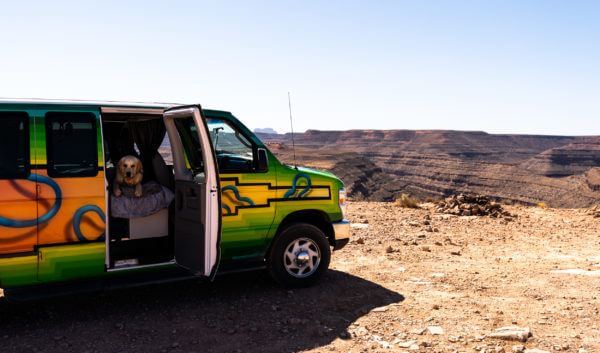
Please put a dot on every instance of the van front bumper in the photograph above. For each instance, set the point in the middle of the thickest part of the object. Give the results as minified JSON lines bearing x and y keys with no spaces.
{"x":341,"y":233}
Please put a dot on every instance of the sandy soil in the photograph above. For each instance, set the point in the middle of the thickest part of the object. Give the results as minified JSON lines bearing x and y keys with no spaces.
{"x":400,"y":285}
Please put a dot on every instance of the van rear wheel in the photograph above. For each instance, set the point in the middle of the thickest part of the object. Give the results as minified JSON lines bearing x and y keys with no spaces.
{"x":299,"y":256}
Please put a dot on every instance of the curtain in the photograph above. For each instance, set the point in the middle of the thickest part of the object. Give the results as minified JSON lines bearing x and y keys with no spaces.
{"x":118,"y":141}
{"x":148,"y":135}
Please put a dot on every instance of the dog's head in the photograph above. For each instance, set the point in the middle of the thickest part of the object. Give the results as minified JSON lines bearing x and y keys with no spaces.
{"x":130,"y":168}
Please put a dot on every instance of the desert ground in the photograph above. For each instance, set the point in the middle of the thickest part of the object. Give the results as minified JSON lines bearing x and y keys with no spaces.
{"x":411,"y":280}
{"x":380,"y":165}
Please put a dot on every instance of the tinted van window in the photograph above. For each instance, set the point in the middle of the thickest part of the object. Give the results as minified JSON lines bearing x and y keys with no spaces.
{"x":71,"y":144}
{"x":14,"y":145}
{"x":191,"y":143}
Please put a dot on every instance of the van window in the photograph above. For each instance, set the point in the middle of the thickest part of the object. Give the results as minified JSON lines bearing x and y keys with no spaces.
{"x":71,"y":144}
{"x":14,"y":145}
{"x":191,"y":143}
{"x":234,"y":151}
{"x":165,"y":150}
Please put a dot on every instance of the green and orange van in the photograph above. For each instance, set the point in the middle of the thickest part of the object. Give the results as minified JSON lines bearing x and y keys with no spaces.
{"x":228,"y":204}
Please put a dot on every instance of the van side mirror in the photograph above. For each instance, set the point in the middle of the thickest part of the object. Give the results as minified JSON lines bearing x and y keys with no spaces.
{"x":262,"y":162}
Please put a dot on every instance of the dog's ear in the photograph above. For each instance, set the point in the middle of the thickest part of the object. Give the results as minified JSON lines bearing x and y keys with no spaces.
{"x":139,"y":168}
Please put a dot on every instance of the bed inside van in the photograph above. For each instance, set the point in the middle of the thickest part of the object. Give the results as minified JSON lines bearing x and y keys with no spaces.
{"x":176,"y":219}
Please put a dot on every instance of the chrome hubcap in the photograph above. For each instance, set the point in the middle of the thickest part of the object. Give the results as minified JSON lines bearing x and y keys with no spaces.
{"x":301,"y":257}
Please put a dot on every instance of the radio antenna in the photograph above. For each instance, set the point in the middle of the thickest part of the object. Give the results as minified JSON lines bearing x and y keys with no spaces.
{"x":292,"y":127}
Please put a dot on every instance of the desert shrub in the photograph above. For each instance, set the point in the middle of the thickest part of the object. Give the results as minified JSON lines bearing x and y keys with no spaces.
{"x":542,"y":205}
{"x":407,"y":201}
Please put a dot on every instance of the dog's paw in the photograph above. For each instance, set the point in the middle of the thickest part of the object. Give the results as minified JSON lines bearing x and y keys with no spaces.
{"x":117,"y":192}
{"x":138,"y":193}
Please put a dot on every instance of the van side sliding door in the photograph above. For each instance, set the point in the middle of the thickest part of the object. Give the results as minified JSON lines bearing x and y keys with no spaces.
{"x":197,"y":200}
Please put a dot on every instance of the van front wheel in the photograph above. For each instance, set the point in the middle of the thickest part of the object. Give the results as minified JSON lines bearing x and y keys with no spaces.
{"x":299,"y":256}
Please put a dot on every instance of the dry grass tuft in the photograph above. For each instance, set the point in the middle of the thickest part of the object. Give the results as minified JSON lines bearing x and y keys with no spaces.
{"x":406,"y":201}
{"x":542,"y":205}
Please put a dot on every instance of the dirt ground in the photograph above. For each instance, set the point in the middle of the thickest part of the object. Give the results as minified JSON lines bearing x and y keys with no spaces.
{"x":400,"y":285}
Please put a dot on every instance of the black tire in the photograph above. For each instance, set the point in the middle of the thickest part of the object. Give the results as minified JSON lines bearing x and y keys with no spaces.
{"x":310,"y":238}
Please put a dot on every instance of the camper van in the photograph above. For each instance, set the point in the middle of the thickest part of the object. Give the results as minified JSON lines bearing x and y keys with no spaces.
{"x":207,"y":197}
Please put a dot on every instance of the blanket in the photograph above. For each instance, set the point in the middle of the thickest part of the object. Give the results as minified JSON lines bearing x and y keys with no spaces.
{"x":155,"y":197}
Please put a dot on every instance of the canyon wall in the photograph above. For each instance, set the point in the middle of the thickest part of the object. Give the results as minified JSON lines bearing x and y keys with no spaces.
{"x":379,"y":165}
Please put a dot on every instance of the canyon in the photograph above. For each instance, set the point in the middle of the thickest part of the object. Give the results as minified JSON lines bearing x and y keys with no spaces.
{"x":380,"y":165}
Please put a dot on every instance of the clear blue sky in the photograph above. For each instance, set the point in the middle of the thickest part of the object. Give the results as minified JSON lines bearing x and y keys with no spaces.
{"x":499,"y":66}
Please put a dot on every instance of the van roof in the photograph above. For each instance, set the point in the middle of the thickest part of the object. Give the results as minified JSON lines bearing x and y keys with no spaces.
{"x":34,"y":101}
{"x":112,"y":104}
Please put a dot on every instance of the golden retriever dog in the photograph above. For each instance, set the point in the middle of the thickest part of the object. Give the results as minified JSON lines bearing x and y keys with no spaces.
{"x":130,"y":173}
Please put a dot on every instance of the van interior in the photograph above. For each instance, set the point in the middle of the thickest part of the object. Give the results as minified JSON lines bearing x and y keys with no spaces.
{"x":142,"y":232}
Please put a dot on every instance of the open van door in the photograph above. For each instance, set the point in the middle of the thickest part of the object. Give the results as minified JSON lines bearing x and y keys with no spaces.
{"x":197,"y":220}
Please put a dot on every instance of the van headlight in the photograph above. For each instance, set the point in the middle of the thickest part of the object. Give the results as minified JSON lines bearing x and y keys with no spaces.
{"x":343,"y":201}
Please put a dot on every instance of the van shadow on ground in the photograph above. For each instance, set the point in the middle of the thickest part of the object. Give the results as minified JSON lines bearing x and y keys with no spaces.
{"x":237,"y":313}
